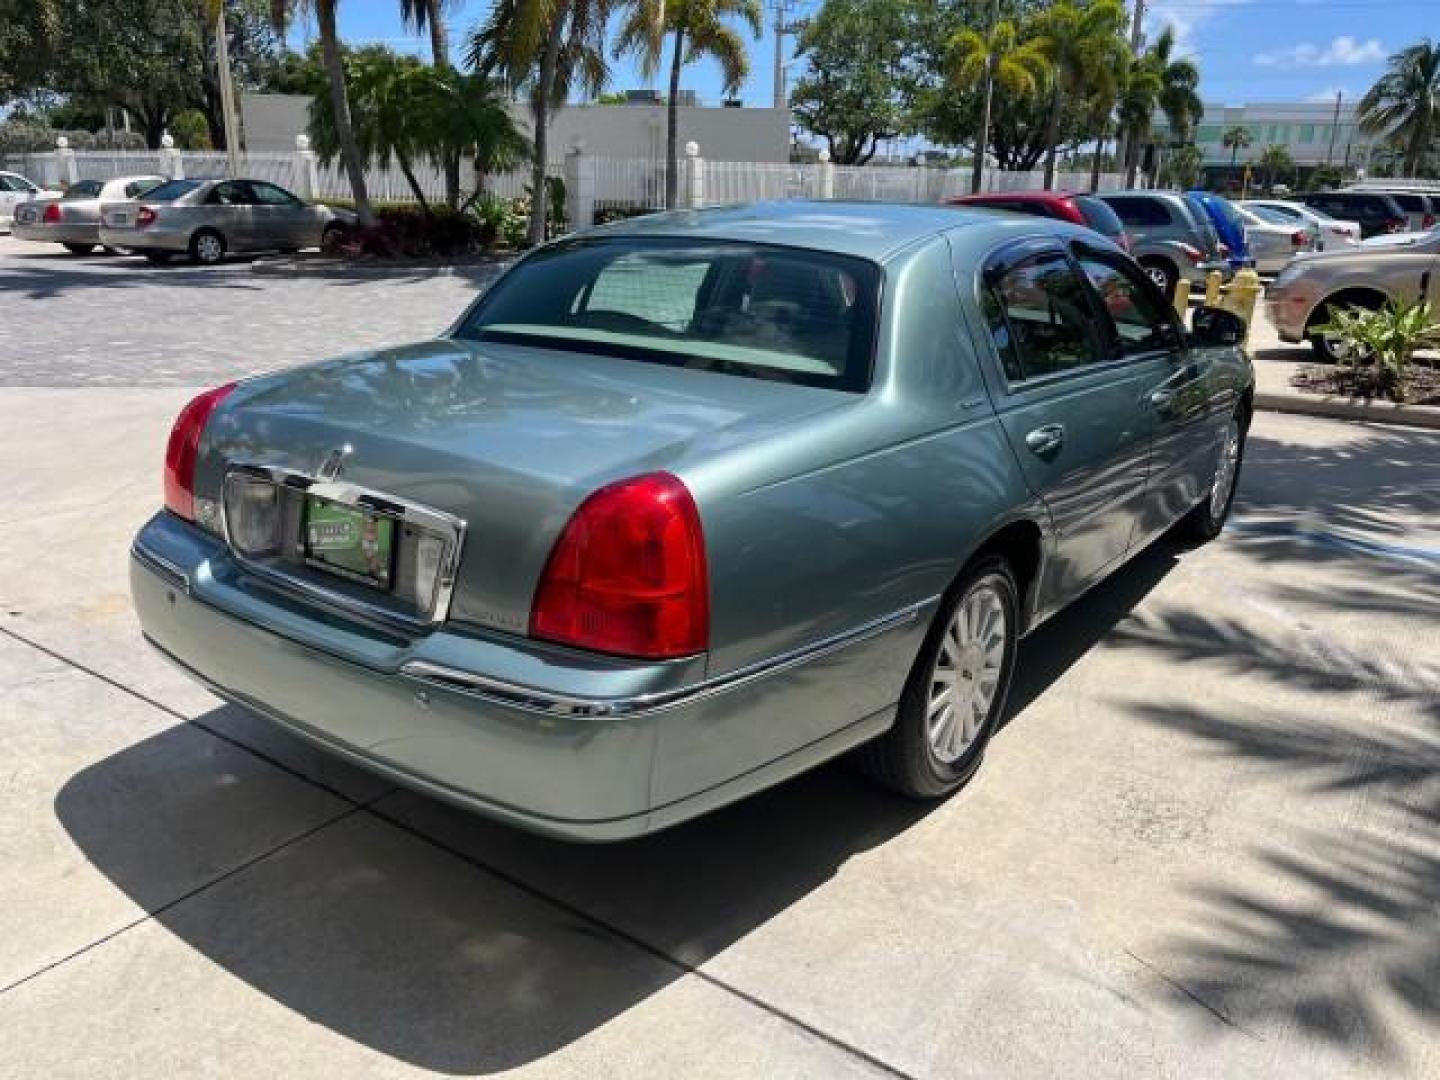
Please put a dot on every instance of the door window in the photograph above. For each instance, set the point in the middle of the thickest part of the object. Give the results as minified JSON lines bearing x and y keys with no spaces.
{"x":1045,"y":318}
{"x":230,"y":193}
{"x":1140,"y":213}
{"x":1139,"y":313}
{"x":272,"y":195}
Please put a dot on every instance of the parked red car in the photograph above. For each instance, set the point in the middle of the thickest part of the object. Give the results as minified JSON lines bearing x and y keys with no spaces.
{"x":1062,"y":205}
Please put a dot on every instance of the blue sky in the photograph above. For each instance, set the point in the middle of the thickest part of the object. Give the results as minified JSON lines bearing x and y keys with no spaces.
{"x":1248,"y":50}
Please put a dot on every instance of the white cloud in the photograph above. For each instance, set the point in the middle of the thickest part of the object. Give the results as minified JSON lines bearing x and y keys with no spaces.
{"x":1344,"y":51}
{"x":1185,"y":17}
{"x":1328,"y":95}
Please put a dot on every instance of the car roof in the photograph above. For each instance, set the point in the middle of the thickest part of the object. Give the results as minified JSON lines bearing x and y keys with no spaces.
{"x":868,"y":230}
{"x":1011,"y":196}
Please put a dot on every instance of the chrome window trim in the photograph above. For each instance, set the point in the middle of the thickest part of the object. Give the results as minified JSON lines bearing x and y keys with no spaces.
{"x":360,"y":498}
{"x":549,"y":703}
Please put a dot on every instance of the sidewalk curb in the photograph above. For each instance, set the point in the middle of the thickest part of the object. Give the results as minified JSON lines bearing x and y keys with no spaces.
{"x":351,"y":268}
{"x":1374,"y":412}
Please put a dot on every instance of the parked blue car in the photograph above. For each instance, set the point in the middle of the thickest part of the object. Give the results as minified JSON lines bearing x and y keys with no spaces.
{"x":1229,"y":225}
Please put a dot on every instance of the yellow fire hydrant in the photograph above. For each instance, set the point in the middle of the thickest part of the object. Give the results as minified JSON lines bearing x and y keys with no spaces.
{"x":1182,"y":298}
{"x":1212,"y":288}
{"x":1241,"y":295}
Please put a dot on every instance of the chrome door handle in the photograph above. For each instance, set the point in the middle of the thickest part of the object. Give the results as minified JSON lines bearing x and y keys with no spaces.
{"x":1046,"y":440}
{"x":1162,"y":399}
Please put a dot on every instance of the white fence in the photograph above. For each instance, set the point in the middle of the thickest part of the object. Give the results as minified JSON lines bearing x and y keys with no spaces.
{"x":594,"y":184}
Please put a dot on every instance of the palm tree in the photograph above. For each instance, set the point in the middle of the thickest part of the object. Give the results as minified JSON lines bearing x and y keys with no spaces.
{"x":430,"y":15}
{"x":546,"y":47}
{"x":998,"y":56}
{"x":1235,"y":139}
{"x":1404,"y":104}
{"x":1178,"y":98}
{"x":280,"y":12}
{"x":696,"y":28}
{"x":1084,"y":42}
{"x":1139,"y":94}
{"x":1275,"y":159}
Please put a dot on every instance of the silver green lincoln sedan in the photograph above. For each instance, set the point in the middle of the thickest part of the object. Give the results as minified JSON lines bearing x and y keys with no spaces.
{"x":684,"y":506}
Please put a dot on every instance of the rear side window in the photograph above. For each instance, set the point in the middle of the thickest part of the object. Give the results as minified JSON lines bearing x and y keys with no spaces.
{"x":171,"y":190}
{"x":1099,"y":216}
{"x":1042,"y":318}
{"x":753,"y":310}
{"x":1140,"y":213}
{"x":1411,"y":204}
{"x":135,"y":188}
{"x":230,"y":193}
{"x":83,"y":189}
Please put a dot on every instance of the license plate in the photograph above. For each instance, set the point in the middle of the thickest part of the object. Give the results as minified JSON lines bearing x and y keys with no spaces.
{"x":351,"y":543}
{"x":119,"y":220}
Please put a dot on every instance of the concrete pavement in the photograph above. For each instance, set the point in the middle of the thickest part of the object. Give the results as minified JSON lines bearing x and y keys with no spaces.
{"x":1204,"y":845}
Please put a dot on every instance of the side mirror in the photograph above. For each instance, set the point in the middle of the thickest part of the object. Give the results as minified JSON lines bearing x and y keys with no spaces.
{"x":1216,"y":327}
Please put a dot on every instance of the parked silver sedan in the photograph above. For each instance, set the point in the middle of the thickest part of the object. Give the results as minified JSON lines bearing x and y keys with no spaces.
{"x":208,"y":218}
{"x":73,"y":219}
{"x":1272,"y":245}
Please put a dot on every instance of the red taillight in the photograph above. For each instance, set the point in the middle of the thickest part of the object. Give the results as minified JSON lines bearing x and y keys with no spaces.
{"x":1192,"y":253}
{"x":144,"y":216}
{"x":1398,"y":224}
{"x":181,"y":450}
{"x":628,"y":575}
{"x":53,"y":215}
{"x":1428,"y":222}
{"x":1300,"y":239}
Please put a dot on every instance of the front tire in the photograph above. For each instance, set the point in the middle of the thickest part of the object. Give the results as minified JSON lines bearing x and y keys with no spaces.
{"x":79,"y":249}
{"x":207,"y":247}
{"x":956,"y":690}
{"x":1205,"y":521}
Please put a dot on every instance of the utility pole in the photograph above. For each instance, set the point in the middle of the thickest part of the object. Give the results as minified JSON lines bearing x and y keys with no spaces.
{"x":227,"y":88}
{"x":780,"y":16}
{"x":1334,"y":128}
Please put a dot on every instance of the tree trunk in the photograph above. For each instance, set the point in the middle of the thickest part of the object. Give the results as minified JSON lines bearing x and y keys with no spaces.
{"x":1095,"y":160}
{"x":544,"y":94}
{"x":415,"y":188}
{"x":340,"y":106}
{"x":1052,"y":137}
{"x":672,"y":122}
{"x":977,"y":174}
{"x":440,"y":59}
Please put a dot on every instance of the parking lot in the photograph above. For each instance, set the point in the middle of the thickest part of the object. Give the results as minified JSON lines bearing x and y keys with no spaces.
{"x":1204,"y":844}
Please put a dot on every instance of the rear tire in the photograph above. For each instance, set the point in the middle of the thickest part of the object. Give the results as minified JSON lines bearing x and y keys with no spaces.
{"x":1204,"y":522}
{"x":79,"y":249}
{"x":1163,"y":274}
{"x":332,"y":238}
{"x":956,"y":690}
{"x":1328,"y":348}
{"x":207,"y":247}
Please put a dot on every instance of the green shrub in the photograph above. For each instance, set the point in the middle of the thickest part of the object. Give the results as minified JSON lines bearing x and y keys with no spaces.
{"x":409,"y":232}
{"x":1381,"y":343}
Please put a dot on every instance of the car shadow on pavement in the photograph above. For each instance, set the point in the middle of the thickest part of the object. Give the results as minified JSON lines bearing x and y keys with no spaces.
{"x":457,"y":944}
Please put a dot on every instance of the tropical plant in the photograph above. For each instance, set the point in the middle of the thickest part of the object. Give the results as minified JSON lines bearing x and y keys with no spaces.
{"x":349,"y":151}
{"x":1178,"y":96}
{"x":1181,"y":166}
{"x":1380,"y":343}
{"x":546,"y":48}
{"x":1404,"y":105}
{"x":1235,"y":139}
{"x":999,"y":56}
{"x":1083,"y":40}
{"x":861,"y":81}
{"x":423,"y":15}
{"x":695,"y":29}
{"x":1139,"y":94}
{"x":1275,"y":160}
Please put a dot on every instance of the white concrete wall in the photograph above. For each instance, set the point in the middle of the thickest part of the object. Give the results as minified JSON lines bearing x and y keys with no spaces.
{"x":622,"y":131}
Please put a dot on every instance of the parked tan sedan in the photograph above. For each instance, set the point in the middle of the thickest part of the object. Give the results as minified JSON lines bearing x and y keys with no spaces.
{"x":1402,"y":267}
{"x":73,"y":219}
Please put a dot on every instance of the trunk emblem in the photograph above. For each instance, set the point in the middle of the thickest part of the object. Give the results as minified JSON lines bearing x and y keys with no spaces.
{"x":334,"y":462}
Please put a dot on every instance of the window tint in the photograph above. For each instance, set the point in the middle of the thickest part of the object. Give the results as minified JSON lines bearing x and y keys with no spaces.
{"x":1140,"y":213}
{"x":171,"y":190}
{"x":1141,"y":317}
{"x":272,"y":195}
{"x":83,"y":189}
{"x":738,"y":309}
{"x":135,"y":188}
{"x":1099,"y":216}
{"x":1047,"y":316}
{"x":230,"y":193}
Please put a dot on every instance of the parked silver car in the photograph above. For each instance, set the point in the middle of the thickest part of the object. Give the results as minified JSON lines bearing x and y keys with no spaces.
{"x":1171,"y":237}
{"x":1272,"y":245}
{"x":208,"y":218}
{"x":1330,"y":233}
{"x":73,"y":219}
{"x":16,"y":189}
{"x":1404,"y":267}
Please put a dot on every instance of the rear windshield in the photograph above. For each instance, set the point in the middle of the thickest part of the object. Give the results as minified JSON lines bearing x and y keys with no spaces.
{"x":1099,"y":216}
{"x":171,"y":190}
{"x":1412,"y":203}
{"x":752,"y":310}
{"x":135,"y":188}
{"x":84,"y":189}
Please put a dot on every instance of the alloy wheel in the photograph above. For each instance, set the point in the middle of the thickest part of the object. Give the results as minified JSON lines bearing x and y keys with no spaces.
{"x":966,"y":675}
{"x":1226,"y":469}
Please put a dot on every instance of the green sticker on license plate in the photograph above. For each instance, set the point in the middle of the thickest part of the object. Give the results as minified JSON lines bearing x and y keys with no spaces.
{"x":350,"y":542}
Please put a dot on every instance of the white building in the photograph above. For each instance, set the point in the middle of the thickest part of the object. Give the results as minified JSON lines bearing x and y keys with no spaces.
{"x":1311,"y":131}
{"x":635,"y":132}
